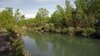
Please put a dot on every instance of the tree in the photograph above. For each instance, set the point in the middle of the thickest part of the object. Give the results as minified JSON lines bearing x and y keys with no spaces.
{"x":42,"y":16}
{"x":42,"y":13}
{"x":93,"y":7}
{"x":6,"y":19}
{"x":18,"y":16}
{"x":87,"y":12}
{"x":58,"y":17}
{"x":69,"y":13}
{"x":80,"y":4}
{"x":10,"y":9}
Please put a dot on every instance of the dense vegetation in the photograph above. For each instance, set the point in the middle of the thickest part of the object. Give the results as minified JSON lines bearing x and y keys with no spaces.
{"x":9,"y":30}
{"x":78,"y":20}
{"x":81,"y":20}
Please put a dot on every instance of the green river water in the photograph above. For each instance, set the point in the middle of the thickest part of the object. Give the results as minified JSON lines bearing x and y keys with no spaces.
{"x":51,"y":44}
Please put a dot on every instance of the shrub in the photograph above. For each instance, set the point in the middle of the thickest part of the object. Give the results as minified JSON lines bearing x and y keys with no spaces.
{"x":58,"y":30}
{"x":47,"y":27}
{"x":64,"y":30}
{"x":78,"y":31}
{"x":18,"y":48}
{"x":88,"y":31}
{"x":71,"y":31}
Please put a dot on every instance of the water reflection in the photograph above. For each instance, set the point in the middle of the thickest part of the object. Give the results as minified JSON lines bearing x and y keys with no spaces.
{"x":47,"y":44}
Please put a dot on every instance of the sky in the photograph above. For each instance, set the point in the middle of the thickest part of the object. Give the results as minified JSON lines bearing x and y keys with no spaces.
{"x":30,"y":7}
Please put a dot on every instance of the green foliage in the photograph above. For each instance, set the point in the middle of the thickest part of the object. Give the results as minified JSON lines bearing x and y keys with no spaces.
{"x":69,"y":13}
{"x":18,"y":15}
{"x":10,"y":9}
{"x":81,"y":19}
{"x":58,"y":30}
{"x":66,"y":20}
{"x":64,"y":30}
{"x":48,"y":27}
{"x":6,"y":19}
{"x":58,"y":17}
{"x":8,"y":26}
{"x":78,"y":29}
{"x":88,"y":31}
{"x":42,"y":13}
{"x":71,"y":31}
{"x":18,"y":48}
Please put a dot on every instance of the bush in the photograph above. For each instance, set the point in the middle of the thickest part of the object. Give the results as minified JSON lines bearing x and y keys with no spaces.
{"x":88,"y":31}
{"x":71,"y":31}
{"x":18,"y":48}
{"x":47,"y":27}
{"x":58,"y":30}
{"x":78,"y":31}
{"x":64,"y":30}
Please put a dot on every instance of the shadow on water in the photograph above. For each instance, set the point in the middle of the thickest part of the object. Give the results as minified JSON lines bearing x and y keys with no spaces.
{"x":47,"y":44}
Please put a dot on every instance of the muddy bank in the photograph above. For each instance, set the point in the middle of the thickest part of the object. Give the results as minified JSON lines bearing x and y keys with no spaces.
{"x":5,"y":47}
{"x":11,"y":45}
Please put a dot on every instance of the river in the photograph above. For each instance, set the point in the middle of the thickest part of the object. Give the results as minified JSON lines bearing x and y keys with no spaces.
{"x":51,"y":44}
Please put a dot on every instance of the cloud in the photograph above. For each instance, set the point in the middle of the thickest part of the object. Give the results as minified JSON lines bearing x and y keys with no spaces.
{"x":1,"y":9}
{"x":30,"y":7}
{"x":29,"y":13}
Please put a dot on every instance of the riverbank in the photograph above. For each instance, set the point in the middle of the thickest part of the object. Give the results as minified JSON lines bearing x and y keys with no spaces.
{"x":5,"y":47}
{"x":71,"y":31}
{"x":11,"y":44}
